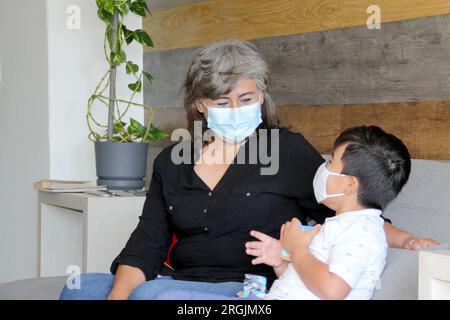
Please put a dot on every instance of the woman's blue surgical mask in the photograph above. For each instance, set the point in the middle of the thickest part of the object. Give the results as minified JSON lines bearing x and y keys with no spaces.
{"x":234,"y":124}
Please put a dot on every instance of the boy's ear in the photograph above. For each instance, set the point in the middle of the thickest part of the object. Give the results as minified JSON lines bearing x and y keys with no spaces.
{"x":353,"y":185}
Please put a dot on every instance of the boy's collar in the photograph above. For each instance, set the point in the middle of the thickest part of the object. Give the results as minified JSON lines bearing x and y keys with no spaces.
{"x":363,"y":212}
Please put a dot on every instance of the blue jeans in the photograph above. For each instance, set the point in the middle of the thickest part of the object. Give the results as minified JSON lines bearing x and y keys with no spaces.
{"x":97,"y":286}
{"x":197,"y":295}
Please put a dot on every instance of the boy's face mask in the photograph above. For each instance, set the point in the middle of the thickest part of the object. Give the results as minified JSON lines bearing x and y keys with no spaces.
{"x":320,"y":183}
{"x":235,"y":124}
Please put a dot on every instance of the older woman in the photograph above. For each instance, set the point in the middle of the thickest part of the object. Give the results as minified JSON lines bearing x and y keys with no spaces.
{"x":212,"y":201}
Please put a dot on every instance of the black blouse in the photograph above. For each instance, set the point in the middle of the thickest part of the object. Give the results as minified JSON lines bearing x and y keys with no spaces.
{"x":212,"y":226}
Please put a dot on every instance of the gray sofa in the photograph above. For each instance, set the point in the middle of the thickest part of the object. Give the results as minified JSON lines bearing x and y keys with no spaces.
{"x":423,"y":208}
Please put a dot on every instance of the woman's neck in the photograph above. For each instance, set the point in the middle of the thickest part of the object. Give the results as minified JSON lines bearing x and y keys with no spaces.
{"x":219,"y":151}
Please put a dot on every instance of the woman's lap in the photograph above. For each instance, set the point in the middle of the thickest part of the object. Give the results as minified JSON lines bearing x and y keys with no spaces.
{"x":97,"y":286}
{"x":151,"y":289}
{"x":93,"y":286}
{"x":197,"y":295}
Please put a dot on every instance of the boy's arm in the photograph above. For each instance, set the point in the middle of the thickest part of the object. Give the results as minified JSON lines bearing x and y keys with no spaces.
{"x":316,"y":277}
{"x":314,"y":273}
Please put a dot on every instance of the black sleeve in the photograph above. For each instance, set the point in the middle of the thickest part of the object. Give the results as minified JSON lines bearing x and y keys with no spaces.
{"x":304,"y":161}
{"x":148,"y":244}
{"x":386,"y":219}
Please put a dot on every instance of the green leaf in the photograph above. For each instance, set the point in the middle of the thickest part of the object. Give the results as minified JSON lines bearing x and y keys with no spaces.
{"x":105,"y":16}
{"x":138,"y":8}
{"x":131,"y":67}
{"x":110,"y":36}
{"x":137,"y":127}
{"x":116,"y":139}
{"x":127,"y":34}
{"x":123,"y":8}
{"x":142,"y":37}
{"x":144,"y":4}
{"x":130,"y":129}
{"x":106,"y":5}
{"x":119,"y":58}
{"x":119,"y":127}
{"x":155,"y":134}
{"x":148,"y":76}
{"x":138,"y":130}
{"x":137,"y":86}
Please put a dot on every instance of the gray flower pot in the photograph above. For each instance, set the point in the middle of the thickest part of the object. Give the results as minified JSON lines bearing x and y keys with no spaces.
{"x":121,"y":166}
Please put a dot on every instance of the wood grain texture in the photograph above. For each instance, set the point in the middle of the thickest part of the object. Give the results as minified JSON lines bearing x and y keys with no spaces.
{"x":158,"y":5}
{"x":201,"y":23}
{"x":423,"y":126}
{"x":405,"y":61}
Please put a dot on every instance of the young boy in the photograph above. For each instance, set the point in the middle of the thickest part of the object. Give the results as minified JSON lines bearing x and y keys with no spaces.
{"x":345,"y":257}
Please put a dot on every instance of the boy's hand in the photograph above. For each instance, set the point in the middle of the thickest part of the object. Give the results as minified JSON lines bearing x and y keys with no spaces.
{"x":267,"y":250}
{"x":293,"y":237}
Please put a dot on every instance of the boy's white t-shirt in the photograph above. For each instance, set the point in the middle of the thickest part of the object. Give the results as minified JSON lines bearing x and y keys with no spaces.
{"x":354,"y":247}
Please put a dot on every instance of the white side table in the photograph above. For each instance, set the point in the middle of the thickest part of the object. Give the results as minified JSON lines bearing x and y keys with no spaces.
{"x":434,"y":275}
{"x":83,"y":230}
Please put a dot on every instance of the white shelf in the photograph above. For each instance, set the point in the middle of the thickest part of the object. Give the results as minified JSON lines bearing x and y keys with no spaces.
{"x":434,"y":275}
{"x":83,"y":230}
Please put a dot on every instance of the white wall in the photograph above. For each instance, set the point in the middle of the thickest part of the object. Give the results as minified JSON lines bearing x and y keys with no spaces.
{"x":47,"y":74}
{"x":76,"y":64}
{"x":24,"y":150}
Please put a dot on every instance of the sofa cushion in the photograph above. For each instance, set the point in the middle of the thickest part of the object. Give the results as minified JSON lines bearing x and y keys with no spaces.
{"x":399,"y":280}
{"x":423,"y":206}
{"x":33,"y":289}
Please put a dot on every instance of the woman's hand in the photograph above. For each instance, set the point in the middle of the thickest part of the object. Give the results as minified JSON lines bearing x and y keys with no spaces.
{"x":398,"y":238}
{"x":416,"y":243}
{"x":267,"y":250}
{"x":291,"y":236}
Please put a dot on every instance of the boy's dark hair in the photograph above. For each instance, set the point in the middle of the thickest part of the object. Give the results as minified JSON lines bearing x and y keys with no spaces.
{"x":379,"y":160}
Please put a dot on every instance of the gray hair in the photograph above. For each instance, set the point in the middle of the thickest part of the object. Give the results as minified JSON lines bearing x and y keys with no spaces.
{"x":217,"y":68}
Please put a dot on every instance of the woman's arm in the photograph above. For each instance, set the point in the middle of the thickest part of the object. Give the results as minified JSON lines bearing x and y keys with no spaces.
{"x":145,"y":251}
{"x":127,"y":279}
{"x":398,"y":238}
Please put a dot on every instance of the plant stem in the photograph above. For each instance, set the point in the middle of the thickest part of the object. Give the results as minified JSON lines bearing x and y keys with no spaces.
{"x":112,"y":79}
{"x":125,"y":101}
{"x":91,"y":101}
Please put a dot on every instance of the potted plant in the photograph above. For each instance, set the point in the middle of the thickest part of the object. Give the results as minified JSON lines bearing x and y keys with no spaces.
{"x":120,"y":147}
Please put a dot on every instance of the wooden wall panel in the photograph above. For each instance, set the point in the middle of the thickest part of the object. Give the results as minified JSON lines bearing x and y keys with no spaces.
{"x":326,"y":81}
{"x":423,"y":126}
{"x":405,"y":61}
{"x":320,"y":124}
{"x":205,"y":22}
{"x":158,"y":5}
